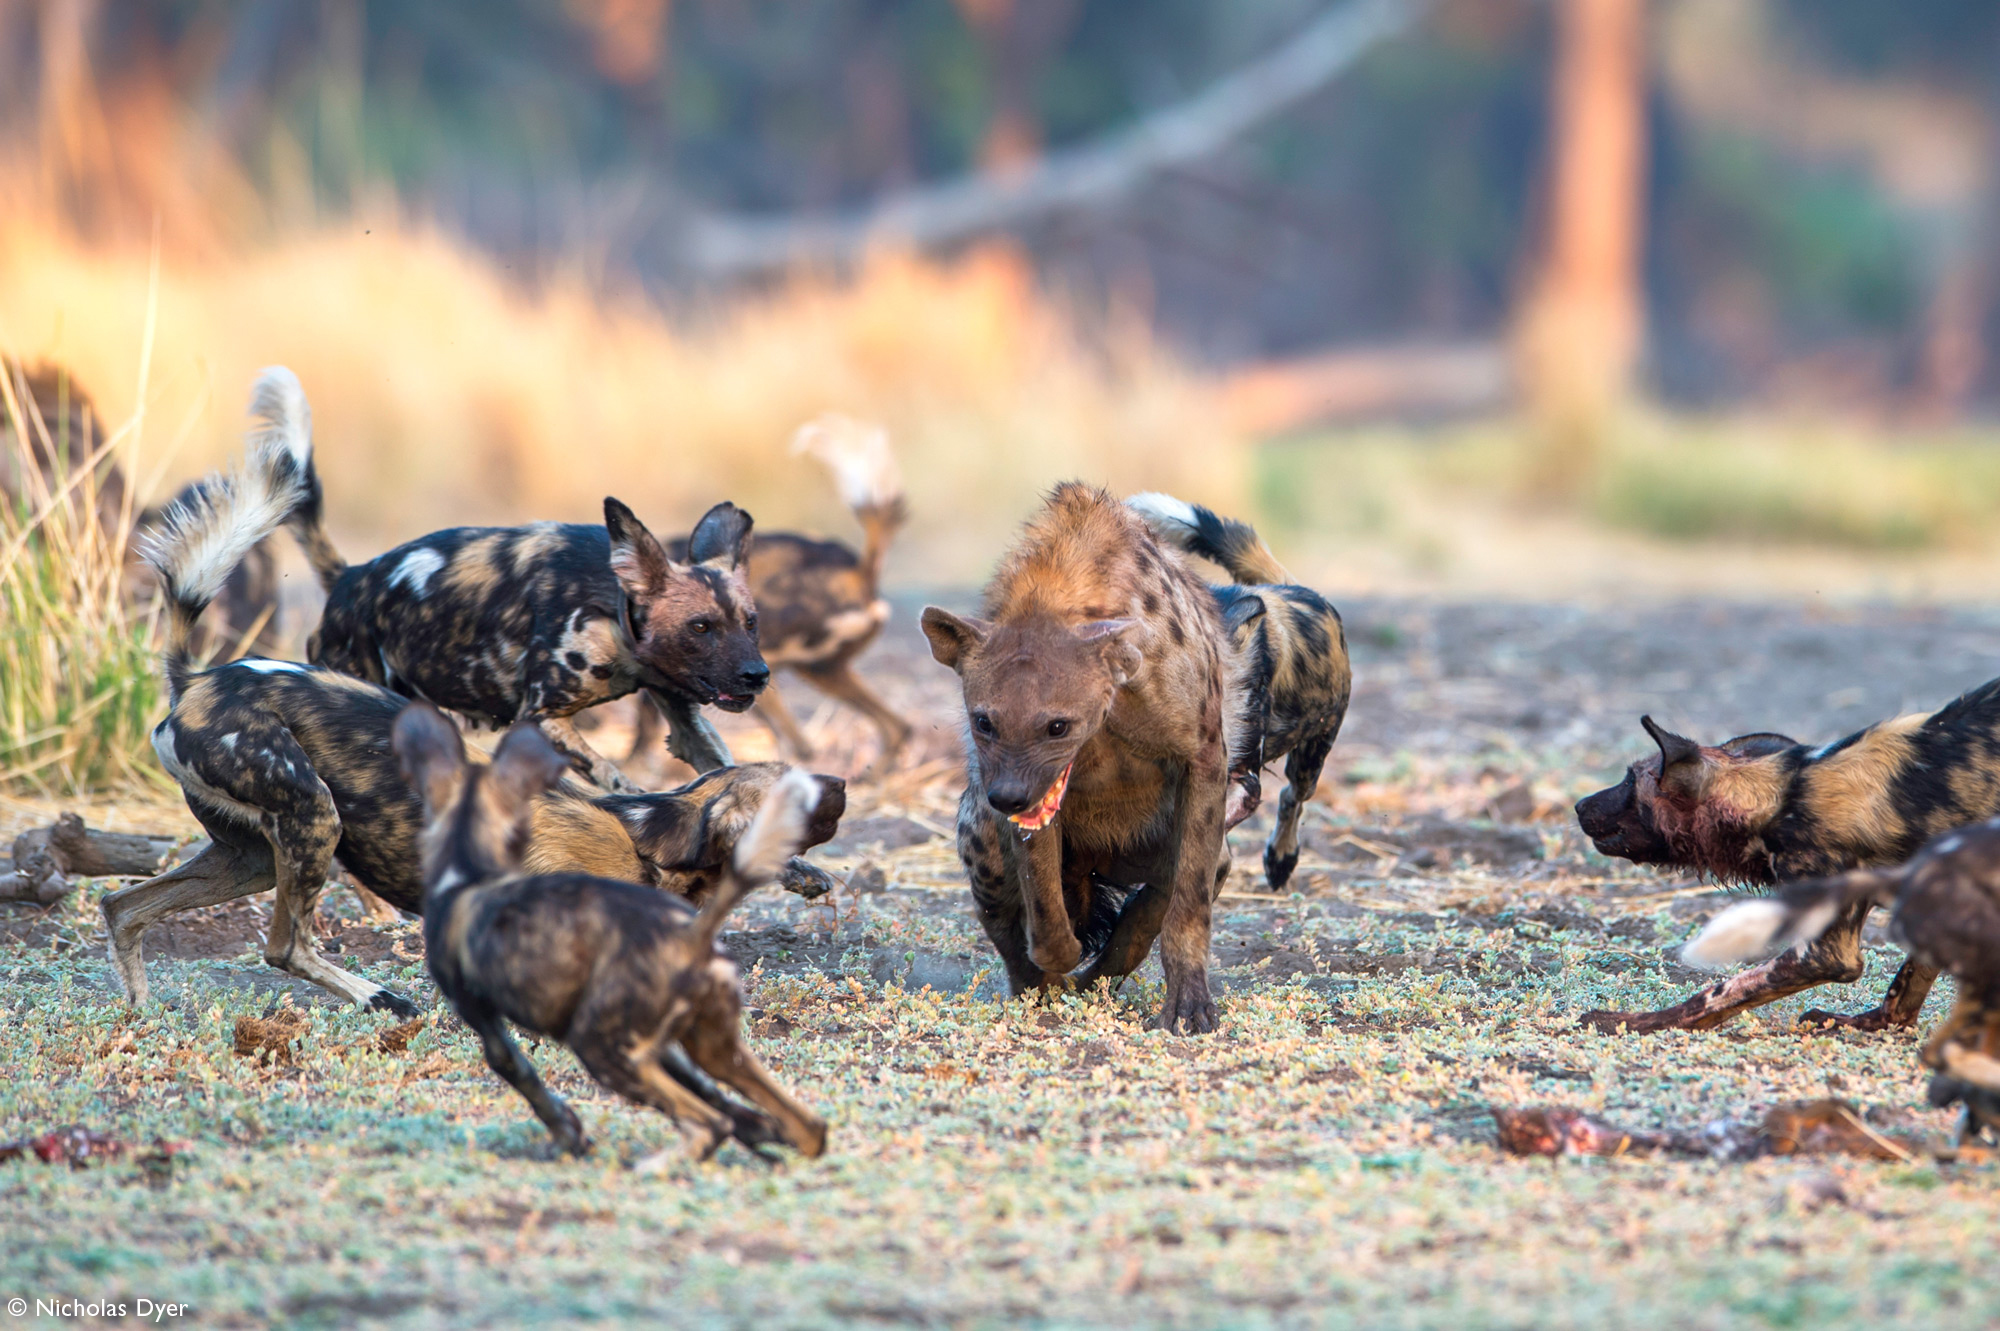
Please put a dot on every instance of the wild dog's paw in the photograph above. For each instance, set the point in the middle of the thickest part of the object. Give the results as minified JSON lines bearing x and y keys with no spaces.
{"x":1278,"y":868}
{"x":1874,"y":1019}
{"x":388,"y":1000}
{"x":1632,"y":1023}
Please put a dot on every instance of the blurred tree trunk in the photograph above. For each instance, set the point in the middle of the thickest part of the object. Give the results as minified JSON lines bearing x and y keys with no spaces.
{"x":1018,"y":38}
{"x":1582,"y":322}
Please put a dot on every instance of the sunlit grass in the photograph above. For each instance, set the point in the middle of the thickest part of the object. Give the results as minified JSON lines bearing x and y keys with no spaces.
{"x":78,"y":691}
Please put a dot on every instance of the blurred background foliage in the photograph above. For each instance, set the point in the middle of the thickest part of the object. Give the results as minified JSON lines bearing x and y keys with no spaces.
{"x":1811,"y":188}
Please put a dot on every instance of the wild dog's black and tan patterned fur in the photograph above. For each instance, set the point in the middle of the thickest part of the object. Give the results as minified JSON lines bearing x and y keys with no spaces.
{"x":1763,"y":809}
{"x":1944,"y":911}
{"x":63,"y":430}
{"x":1100,"y":669}
{"x":819,"y":603}
{"x":1296,"y":671}
{"x":630,"y":979}
{"x":539,"y":622}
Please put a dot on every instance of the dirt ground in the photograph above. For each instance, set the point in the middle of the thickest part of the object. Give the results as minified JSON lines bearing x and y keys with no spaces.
{"x":1328,"y":1155}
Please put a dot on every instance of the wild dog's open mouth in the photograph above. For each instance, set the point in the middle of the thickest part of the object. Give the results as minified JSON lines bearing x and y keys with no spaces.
{"x":1035,"y":819}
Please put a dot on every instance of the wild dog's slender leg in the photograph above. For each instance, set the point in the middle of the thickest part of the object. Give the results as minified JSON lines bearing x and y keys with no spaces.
{"x":771,"y":710}
{"x":1899,"y":1007}
{"x":1964,"y":1012}
{"x":505,"y":1057}
{"x":1034,"y":869}
{"x":753,"y":1128}
{"x":637,"y":1075}
{"x":714,"y":1041}
{"x":1184,"y":933}
{"x":303,"y":826}
{"x":1302,"y":769}
{"x":837,"y":680}
{"x":690,"y":737}
{"x":649,"y":728}
{"x":589,"y":763}
{"x":218,"y":874}
{"x":998,"y":905}
{"x":1832,"y":958}
{"x":1246,"y":765}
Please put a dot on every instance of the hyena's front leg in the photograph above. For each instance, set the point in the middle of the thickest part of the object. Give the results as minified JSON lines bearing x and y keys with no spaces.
{"x":1184,"y":933}
{"x":1034,"y":868}
{"x":998,"y":906}
{"x":1832,"y":958}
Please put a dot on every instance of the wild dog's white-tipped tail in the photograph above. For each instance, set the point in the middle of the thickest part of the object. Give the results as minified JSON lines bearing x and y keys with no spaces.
{"x":284,"y":417}
{"x":1201,"y":531}
{"x":206,"y":533}
{"x":1747,"y":929}
{"x":857,"y":453}
{"x":773,"y":837}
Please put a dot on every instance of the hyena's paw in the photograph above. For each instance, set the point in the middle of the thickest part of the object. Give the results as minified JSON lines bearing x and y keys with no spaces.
{"x":1189,"y":1010}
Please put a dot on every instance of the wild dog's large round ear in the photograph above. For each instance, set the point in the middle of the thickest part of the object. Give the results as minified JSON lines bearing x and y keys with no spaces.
{"x":1674,"y":749}
{"x":1244,"y":608}
{"x":953,"y":636}
{"x":1118,"y":643}
{"x":722,"y":536}
{"x":525,"y":764}
{"x":638,"y":560}
{"x":430,"y":752}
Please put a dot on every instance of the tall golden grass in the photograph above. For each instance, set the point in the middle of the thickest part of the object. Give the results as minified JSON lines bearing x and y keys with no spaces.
{"x":443,"y":392}
{"x":78,"y":693}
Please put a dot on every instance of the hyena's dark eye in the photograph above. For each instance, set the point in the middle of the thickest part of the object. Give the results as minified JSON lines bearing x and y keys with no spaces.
{"x":1057,"y":729}
{"x":701,"y":625}
{"x":983,"y":723}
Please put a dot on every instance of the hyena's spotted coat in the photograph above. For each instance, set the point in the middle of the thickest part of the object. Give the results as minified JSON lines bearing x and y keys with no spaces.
{"x":1101,"y":698}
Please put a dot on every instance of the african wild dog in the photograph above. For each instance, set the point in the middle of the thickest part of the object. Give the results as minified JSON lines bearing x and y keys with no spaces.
{"x":1294,"y":649}
{"x":1764,"y":809}
{"x":819,"y":604}
{"x":60,"y":432}
{"x":630,"y":979}
{"x":289,"y":768}
{"x":537,"y":623}
{"x":1101,"y":700}
{"x":1945,"y":912}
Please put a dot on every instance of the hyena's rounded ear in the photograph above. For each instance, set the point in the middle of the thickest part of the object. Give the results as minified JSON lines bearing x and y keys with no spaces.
{"x":431,"y":754}
{"x":1676,"y":751}
{"x":722,"y":535}
{"x":953,"y":637}
{"x":525,"y":764}
{"x":1118,"y":642}
{"x":638,"y":560}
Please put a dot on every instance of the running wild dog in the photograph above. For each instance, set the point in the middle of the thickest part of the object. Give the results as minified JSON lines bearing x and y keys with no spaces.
{"x":1294,"y":649}
{"x":537,"y":623}
{"x":1101,"y":699}
{"x":289,"y":767}
{"x":629,"y":979}
{"x":1764,"y":809}
{"x":819,"y":604}
{"x":1944,"y":911}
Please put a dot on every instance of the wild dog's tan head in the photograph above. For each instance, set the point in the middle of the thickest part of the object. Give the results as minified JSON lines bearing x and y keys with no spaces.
{"x":693,"y":625}
{"x":476,"y":816}
{"x":1035,"y":693}
{"x":1693,"y":806}
{"x":697,"y":825}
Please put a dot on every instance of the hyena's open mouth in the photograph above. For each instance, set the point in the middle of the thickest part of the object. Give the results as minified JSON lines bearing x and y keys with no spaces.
{"x":1035,"y":819}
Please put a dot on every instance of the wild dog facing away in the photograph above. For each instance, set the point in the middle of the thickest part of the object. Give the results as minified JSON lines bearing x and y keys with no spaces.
{"x":1294,"y":649}
{"x":539,"y":622}
{"x":1763,"y":809}
{"x":819,"y":603}
{"x":1944,"y":911}
{"x":61,"y":432}
{"x":629,"y":979}
{"x":289,"y":768}
{"x":1102,"y":700}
